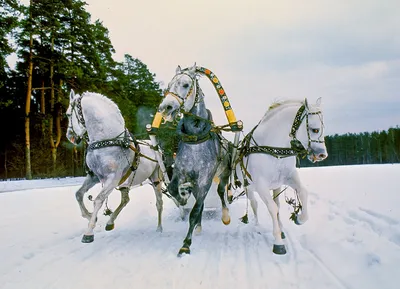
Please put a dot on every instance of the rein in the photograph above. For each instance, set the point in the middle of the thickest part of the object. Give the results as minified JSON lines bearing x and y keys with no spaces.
{"x":296,"y":148}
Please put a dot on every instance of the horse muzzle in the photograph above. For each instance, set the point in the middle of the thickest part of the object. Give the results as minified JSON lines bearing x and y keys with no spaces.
{"x":317,"y":157}
{"x":74,"y":140}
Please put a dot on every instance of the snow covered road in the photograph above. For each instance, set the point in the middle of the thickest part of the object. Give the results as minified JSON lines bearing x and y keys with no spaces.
{"x":352,"y":240}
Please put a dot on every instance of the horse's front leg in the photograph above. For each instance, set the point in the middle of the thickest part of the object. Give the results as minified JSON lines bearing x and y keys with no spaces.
{"x":226,"y":219}
{"x":109,"y":185}
{"x":279,"y":247}
{"x":156,"y":183}
{"x":124,"y":201}
{"x":199,"y":228}
{"x":276,"y":193}
{"x":296,"y":185}
{"x":194,"y":220}
{"x":253,"y":204}
{"x":89,"y":183}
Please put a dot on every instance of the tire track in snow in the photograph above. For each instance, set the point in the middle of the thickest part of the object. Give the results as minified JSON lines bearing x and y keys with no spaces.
{"x":248,"y":257}
{"x":383,"y":217}
{"x":324,"y":268}
{"x":381,"y":225}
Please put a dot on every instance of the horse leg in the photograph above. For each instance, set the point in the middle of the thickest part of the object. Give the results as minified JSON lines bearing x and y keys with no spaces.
{"x":276,"y":193}
{"x":173,"y":189}
{"x":296,"y":185}
{"x":156,"y":183}
{"x":279,"y":247}
{"x":124,"y":201}
{"x":89,"y":183}
{"x":226,"y":219}
{"x":199,"y":228}
{"x":109,"y":185}
{"x":194,"y":219}
{"x":253,"y":204}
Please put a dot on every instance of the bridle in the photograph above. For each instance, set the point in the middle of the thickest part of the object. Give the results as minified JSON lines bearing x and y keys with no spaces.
{"x":194,"y":89}
{"x":300,"y":115}
{"x":296,"y":147}
{"x":76,"y":107}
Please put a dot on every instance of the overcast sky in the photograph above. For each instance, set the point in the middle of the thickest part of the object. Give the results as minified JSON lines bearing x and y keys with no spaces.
{"x":347,"y":52}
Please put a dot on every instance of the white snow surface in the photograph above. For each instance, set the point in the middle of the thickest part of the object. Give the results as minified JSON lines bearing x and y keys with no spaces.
{"x":352,"y":239}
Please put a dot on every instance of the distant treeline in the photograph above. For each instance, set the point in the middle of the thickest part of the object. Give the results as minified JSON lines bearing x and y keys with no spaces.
{"x":363,"y":148}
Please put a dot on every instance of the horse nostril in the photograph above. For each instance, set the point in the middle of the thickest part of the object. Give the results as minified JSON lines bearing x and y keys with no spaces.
{"x":169,"y":107}
{"x":322,"y":156}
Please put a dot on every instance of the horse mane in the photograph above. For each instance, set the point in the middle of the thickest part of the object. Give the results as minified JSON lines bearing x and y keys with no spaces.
{"x":108,"y":102}
{"x":274,"y":107}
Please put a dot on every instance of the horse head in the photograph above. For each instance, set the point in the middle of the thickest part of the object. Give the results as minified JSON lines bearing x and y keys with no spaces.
{"x":181,"y":93}
{"x":76,"y":123}
{"x":311,"y":132}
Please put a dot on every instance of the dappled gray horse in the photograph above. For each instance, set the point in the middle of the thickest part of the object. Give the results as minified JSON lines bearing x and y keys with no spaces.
{"x":200,"y":156}
{"x":113,"y":156}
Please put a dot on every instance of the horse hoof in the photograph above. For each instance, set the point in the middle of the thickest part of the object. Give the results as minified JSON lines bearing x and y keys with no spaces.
{"x":159,"y":229}
{"x":198,"y":229}
{"x":283,"y":236}
{"x":87,"y":238}
{"x":110,"y":227}
{"x":183,"y":250}
{"x":279,"y":249}
{"x":296,"y":221}
{"x":226,"y":219}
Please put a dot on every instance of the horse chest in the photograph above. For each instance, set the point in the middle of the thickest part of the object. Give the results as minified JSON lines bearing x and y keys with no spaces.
{"x":196,"y":158}
{"x":272,"y":171}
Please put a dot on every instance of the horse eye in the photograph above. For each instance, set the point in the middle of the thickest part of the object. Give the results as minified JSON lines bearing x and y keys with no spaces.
{"x":315,"y":130}
{"x":186,"y":85}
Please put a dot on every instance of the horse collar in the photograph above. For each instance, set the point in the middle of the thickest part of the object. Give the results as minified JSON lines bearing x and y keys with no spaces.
{"x":194,"y":139}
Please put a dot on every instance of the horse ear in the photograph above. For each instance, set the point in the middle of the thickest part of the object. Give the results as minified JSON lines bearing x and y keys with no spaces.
{"x":178,"y":69}
{"x":71,"y":95}
{"x":192,"y":70}
{"x":318,"y":103}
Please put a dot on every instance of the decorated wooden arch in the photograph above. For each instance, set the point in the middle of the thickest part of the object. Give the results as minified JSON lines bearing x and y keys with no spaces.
{"x":235,"y":125}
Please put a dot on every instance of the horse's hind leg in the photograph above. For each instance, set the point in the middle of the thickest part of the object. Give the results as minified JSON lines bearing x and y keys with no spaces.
{"x":89,"y":182}
{"x":109,"y":185}
{"x":276,"y":194}
{"x":226,"y":219}
{"x":124,"y":201}
{"x":194,"y":219}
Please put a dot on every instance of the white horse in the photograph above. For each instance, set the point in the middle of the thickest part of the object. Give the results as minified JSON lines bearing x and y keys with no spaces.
{"x":268,"y":157}
{"x":113,"y":156}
